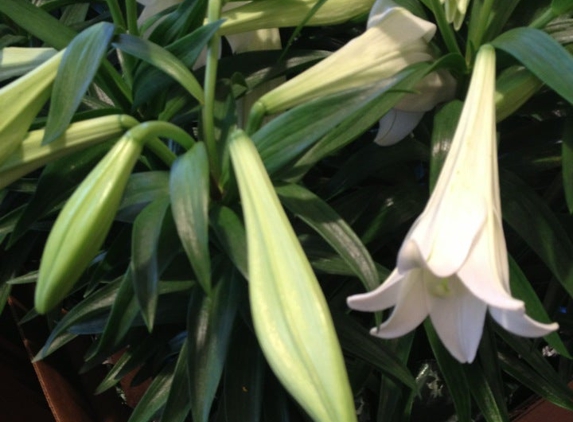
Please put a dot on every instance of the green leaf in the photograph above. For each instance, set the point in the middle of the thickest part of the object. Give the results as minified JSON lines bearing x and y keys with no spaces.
{"x":178,"y":402}
{"x":144,"y":250}
{"x":230,"y":232}
{"x":534,"y":221}
{"x":149,"y":81}
{"x":131,"y":359}
{"x":559,"y":7}
{"x":209,"y":327}
{"x":542,"y":55}
{"x":522,"y":289}
{"x":5,"y":290}
{"x":357,"y":341}
{"x":567,"y":160}
{"x":453,"y":373}
{"x":142,"y":189}
{"x":492,"y":410}
{"x":155,"y":396}
{"x":188,"y":16}
{"x":189,"y":188}
{"x":326,"y":222}
{"x":531,"y":379}
{"x":243,"y":387}
{"x":294,"y":132}
{"x":81,"y":60}
{"x":290,"y":314}
{"x":123,"y":312}
{"x":539,"y":365}
{"x":445,"y":124}
{"x":162,"y":59}
{"x":92,"y":307}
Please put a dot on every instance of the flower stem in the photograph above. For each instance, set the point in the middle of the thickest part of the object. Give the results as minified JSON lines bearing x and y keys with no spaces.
{"x":541,"y":21}
{"x":131,"y":12}
{"x":213,"y":14}
{"x":445,"y":28}
{"x":116,"y":14}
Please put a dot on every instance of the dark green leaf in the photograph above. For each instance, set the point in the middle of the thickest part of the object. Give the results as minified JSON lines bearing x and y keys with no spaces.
{"x":178,"y":402}
{"x":155,"y":396}
{"x":162,"y":59}
{"x":521,"y":289}
{"x":292,"y":133}
{"x":94,"y":306}
{"x":524,"y":374}
{"x":242,"y":396}
{"x":144,"y":265}
{"x":76,"y":72}
{"x":534,"y":221}
{"x":453,"y":374}
{"x":149,"y":81}
{"x":567,"y":159}
{"x":542,"y":55}
{"x":189,"y":188}
{"x":491,"y":410}
{"x":210,"y":323}
{"x":445,"y":124}
{"x":322,"y":218}
{"x":230,"y":232}
{"x":357,"y":341}
{"x":142,"y":188}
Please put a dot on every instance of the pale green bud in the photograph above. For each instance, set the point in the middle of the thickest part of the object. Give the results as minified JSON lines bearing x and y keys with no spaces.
{"x":20,"y":102}
{"x":285,"y":13}
{"x":514,"y":87}
{"x":31,"y":154}
{"x":84,"y":222}
{"x":16,"y":61}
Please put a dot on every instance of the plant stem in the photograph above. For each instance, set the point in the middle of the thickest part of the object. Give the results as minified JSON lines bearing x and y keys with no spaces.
{"x":544,"y":19}
{"x":213,"y":14}
{"x":446,"y":30}
{"x":131,"y":12}
{"x":116,"y":14}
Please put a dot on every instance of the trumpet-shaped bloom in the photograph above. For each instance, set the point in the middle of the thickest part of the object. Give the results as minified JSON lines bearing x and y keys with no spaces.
{"x":394,"y":39}
{"x":453,"y":264}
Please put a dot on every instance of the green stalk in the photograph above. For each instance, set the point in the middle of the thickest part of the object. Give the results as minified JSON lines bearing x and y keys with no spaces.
{"x":213,"y":14}
{"x":131,"y":12}
{"x":542,"y":21}
{"x":116,"y":14}
{"x":478,"y":28}
{"x":161,"y":151}
{"x":446,"y":29}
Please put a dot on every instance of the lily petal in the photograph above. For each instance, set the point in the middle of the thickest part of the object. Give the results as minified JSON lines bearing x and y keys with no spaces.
{"x":383,"y":297}
{"x":458,"y":320}
{"x":517,"y":322}
{"x":396,"y":125}
{"x":410,"y":310}
{"x":446,"y":231}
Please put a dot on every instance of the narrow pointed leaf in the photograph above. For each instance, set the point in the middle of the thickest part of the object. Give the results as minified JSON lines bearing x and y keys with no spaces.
{"x":484,"y":396}
{"x":210,"y":325}
{"x":522,"y":289}
{"x":536,"y":223}
{"x":178,"y":402}
{"x":230,"y":232}
{"x":155,"y":396}
{"x":77,"y":69}
{"x":189,"y":189}
{"x":290,"y":314}
{"x":322,"y":218}
{"x":542,"y":55}
{"x":144,"y":264}
{"x":567,"y":159}
{"x":162,"y":59}
{"x":150,"y":80}
{"x":453,"y":373}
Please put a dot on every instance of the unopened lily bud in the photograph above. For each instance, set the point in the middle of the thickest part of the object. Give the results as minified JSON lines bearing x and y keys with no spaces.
{"x":16,"y":61}
{"x":285,"y":13}
{"x":84,"y":222}
{"x":513,"y":88}
{"x":455,"y":11}
{"x":20,"y":102}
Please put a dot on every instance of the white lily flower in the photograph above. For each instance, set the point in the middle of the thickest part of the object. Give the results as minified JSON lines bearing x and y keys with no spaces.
{"x":453,"y":264}
{"x":455,"y":11}
{"x":394,"y":39}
